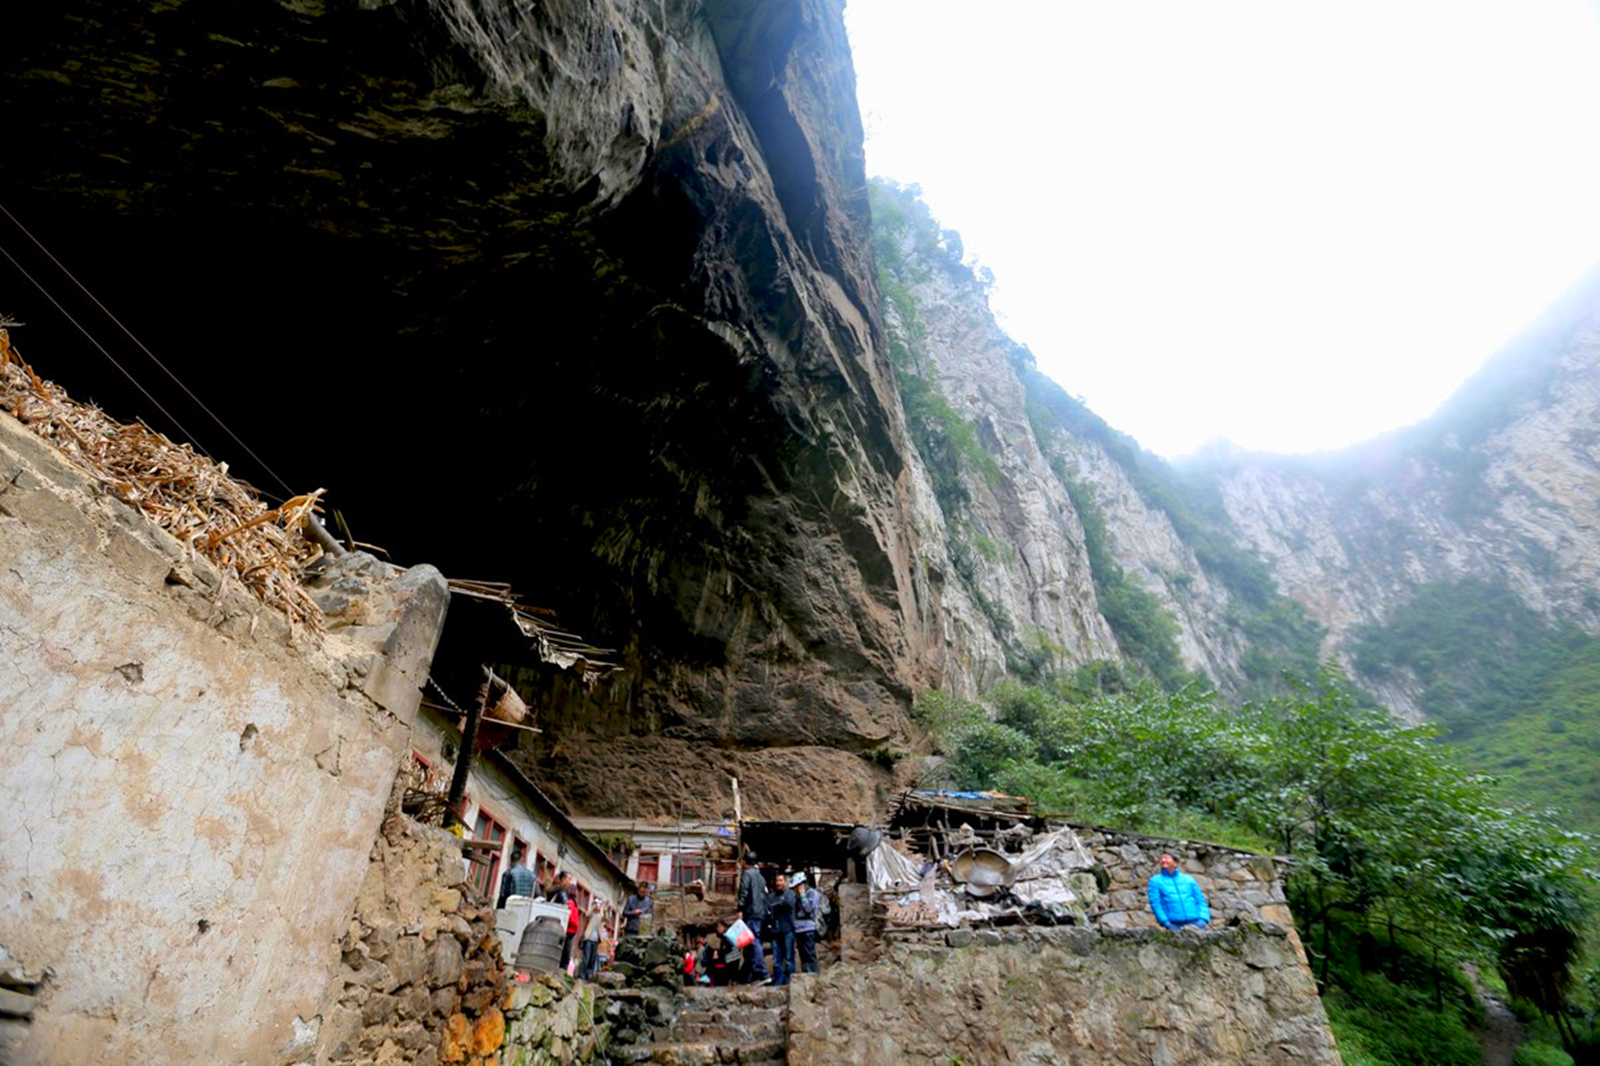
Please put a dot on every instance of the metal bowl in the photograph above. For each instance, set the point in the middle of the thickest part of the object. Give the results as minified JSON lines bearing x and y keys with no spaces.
{"x":983,"y":871}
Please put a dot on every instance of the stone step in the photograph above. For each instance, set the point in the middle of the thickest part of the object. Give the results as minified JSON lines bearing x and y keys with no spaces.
{"x":752,"y":995}
{"x":709,"y":1054}
{"x":724,"y":1033}
{"x":701,"y":1014}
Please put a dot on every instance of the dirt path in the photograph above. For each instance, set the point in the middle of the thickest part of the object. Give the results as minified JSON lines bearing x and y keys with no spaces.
{"x":1501,"y":1031}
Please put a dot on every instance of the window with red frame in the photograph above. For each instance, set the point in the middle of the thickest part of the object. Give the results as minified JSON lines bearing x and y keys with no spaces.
{"x":688,"y":868}
{"x":727,"y":878}
{"x":649,"y":867}
{"x":487,"y":876}
{"x":546,"y":872}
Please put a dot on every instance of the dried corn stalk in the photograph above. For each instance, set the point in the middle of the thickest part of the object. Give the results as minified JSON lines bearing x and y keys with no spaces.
{"x":189,"y":495}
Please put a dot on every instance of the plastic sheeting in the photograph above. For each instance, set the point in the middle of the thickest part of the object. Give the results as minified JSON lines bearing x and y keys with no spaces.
{"x":891,"y":872}
{"x":1045,"y":874}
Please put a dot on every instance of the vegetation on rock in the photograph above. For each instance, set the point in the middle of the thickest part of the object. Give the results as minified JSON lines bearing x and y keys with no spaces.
{"x":1406,"y":867}
{"x":1518,"y":695}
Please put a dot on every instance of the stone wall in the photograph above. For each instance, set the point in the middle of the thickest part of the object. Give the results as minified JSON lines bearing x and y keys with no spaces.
{"x":861,"y":924}
{"x":1044,"y":997}
{"x":421,"y":979}
{"x":194,"y":787}
{"x":551,"y":1022}
{"x":1237,"y":884}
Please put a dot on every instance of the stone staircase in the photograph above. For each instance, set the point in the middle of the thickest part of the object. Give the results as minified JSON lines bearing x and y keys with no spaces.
{"x":745,"y":1024}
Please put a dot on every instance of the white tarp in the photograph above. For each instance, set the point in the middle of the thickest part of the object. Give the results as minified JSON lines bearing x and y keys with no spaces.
{"x":890,"y":871}
{"x":1043,"y":875}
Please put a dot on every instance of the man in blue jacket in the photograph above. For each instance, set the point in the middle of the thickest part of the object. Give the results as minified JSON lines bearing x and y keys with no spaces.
{"x":1176,"y":899}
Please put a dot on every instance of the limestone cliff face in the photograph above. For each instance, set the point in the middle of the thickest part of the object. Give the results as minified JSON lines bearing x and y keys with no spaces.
{"x":1010,"y":555}
{"x":572,"y":294}
{"x":1260,"y":562}
{"x":1018,"y":578}
{"x":1151,"y":549}
{"x":1502,"y":485}
{"x":584,"y":296}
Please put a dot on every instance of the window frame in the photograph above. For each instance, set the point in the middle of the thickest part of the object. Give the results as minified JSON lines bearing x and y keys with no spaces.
{"x":491,"y":885}
{"x":688,"y":860}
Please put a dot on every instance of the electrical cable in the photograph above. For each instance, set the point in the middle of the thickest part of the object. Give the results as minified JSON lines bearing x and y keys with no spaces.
{"x":152,"y":355}
{"x":90,"y":337}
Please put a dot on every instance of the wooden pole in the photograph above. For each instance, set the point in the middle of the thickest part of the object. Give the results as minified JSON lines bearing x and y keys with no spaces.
{"x":738,"y":827}
{"x":469,"y":741}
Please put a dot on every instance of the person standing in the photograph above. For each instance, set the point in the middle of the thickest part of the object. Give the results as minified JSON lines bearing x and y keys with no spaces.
{"x":518,"y":880}
{"x":753,"y":910}
{"x":805,"y":926}
{"x":780,"y":922}
{"x":562,"y":893}
{"x":1176,"y":898}
{"x":591,"y":938}
{"x":638,"y":905}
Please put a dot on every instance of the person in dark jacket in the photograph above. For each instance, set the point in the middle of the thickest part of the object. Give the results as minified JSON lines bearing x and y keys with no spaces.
{"x":638,"y":905}
{"x":518,"y":880}
{"x":753,"y":909}
{"x":1176,"y":898}
{"x":805,"y":926}
{"x":780,"y":924}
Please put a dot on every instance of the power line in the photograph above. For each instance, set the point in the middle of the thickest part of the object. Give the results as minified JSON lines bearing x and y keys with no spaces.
{"x":90,"y":337}
{"x":177,"y":380}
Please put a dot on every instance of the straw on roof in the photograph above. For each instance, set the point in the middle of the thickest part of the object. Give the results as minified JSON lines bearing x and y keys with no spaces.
{"x":190,"y":496}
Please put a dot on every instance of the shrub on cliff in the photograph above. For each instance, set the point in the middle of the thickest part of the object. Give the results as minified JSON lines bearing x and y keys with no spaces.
{"x":1392,"y":840}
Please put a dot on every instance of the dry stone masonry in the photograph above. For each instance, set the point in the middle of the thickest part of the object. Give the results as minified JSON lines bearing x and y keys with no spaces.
{"x":421,"y":979}
{"x":1051,"y":997}
{"x":1239,"y":886}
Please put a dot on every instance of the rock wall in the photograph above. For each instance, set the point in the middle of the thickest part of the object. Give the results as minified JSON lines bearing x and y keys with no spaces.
{"x":1049,"y":996}
{"x":196,"y":787}
{"x":1039,"y":580}
{"x":1150,"y":549}
{"x":420,"y":978}
{"x":1502,"y":485}
{"x":1239,"y":886}
{"x":553,"y":1021}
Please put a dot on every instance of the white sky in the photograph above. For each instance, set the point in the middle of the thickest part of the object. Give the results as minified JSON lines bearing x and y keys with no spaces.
{"x":1290,"y":224}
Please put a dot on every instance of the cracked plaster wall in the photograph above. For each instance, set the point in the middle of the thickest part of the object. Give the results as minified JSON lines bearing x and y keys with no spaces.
{"x":195,"y":788}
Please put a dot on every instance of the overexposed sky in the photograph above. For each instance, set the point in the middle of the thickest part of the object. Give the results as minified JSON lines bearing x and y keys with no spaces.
{"x":1289,"y":224}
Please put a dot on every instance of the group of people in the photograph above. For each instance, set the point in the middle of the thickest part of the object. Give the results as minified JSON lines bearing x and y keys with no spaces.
{"x":583,"y":930}
{"x":787,"y":916}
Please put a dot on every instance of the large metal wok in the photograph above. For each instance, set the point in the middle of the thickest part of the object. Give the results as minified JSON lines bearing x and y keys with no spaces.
{"x":983,"y":872}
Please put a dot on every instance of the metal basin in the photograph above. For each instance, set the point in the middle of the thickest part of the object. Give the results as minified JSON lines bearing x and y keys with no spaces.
{"x":983,"y":871}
